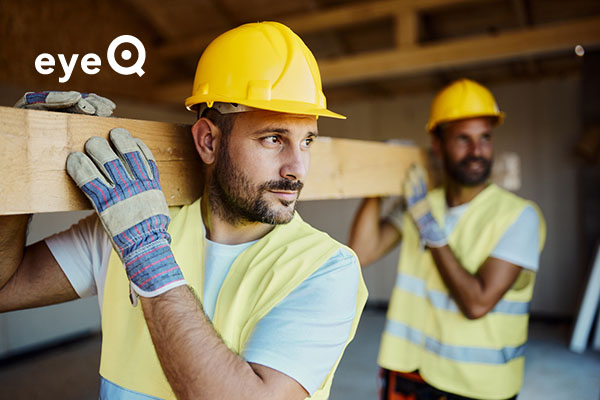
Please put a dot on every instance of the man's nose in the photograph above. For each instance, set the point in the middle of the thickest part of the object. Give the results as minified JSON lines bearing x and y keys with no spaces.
{"x":475,"y":148}
{"x":295,"y":164}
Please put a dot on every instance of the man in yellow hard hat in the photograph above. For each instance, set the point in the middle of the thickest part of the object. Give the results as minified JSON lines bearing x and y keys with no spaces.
{"x":233,"y":296}
{"x":457,"y":318}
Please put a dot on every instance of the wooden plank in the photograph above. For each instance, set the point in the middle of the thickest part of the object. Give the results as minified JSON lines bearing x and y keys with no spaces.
{"x":461,"y":52}
{"x":319,"y":20}
{"x":348,"y":168}
{"x":35,"y":146}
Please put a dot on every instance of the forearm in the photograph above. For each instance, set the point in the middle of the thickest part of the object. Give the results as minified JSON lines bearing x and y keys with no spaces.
{"x":196,"y":362}
{"x":467,"y":290}
{"x":365,"y":232}
{"x":13,"y":232}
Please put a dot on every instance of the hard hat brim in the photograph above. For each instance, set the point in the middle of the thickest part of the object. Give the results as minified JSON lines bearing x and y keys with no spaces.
{"x":498,"y":120}
{"x":283,"y":106}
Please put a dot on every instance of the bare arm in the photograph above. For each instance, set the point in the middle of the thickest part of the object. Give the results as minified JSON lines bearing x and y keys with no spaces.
{"x":475,"y":294}
{"x":13,"y":232}
{"x":197,"y":363}
{"x":370,"y":237}
{"x":29,"y":277}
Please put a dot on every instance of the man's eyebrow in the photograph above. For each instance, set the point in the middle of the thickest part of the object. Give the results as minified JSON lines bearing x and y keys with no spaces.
{"x":282,"y":131}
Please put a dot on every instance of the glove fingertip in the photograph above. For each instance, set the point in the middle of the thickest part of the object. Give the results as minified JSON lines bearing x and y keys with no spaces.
{"x":145,"y":149}
{"x":78,"y":167}
{"x":85,"y":107}
{"x":118,"y":133}
{"x":108,"y":102}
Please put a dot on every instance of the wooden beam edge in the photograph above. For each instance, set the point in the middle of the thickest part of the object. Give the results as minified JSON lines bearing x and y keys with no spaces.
{"x":37,"y":143}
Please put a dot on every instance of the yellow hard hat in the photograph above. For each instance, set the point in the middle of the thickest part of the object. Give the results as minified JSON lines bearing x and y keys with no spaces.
{"x":462,"y":99}
{"x":261,"y":65}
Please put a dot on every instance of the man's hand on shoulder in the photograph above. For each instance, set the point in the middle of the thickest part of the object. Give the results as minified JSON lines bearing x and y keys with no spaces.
{"x":71,"y":101}
{"x":415,"y":193}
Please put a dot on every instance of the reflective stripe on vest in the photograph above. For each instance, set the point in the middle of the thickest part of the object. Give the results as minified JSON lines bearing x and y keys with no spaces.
{"x":457,"y":353}
{"x":425,"y":330}
{"x":442,"y":300}
{"x":258,"y":280}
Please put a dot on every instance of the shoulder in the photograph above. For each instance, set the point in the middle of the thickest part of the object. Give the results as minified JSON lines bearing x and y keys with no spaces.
{"x":528,"y":217}
{"x":301,"y":231}
{"x":528,"y":212}
{"x":332,"y":289}
{"x":343,"y":261}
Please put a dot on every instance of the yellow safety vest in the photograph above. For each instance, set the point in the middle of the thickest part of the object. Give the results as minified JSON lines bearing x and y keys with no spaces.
{"x":426,"y":331}
{"x":258,"y":280}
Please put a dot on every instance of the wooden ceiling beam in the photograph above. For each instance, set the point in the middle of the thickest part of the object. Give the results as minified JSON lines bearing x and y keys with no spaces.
{"x":461,"y":52}
{"x":319,"y":20}
{"x":406,"y":28}
{"x":456,"y":53}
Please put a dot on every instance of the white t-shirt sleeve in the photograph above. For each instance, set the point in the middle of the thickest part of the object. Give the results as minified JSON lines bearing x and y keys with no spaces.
{"x":304,"y":335}
{"x":520,"y":244}
{"x":83,"y":251}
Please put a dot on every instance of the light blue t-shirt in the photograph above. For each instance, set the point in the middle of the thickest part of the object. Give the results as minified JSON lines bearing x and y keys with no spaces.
{"x":519,"y":245}
{"x":305,"y":333}
{"x":301,"y":337}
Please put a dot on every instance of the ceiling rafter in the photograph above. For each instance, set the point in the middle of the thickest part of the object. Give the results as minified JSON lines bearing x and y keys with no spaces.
{"x":459,"y":52}
{"x":523,"y":15}
{"x":323,"y":19}
{"x":505,"y":46}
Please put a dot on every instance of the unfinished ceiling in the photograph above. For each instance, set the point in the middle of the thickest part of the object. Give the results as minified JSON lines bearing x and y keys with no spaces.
{"x":364,"y":48}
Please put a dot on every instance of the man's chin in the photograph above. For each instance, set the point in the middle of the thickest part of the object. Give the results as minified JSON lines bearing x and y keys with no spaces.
{"x":286,"y":214}
{"x":475,"y":180}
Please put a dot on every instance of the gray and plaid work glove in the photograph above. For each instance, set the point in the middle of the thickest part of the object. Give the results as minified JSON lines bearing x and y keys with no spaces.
{"x":73,"y":102}
{"x":125,"y":190}
{"x":415,"y":193}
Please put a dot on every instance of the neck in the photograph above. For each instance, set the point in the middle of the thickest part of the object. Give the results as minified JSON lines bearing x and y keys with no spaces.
{"x":221,"y":231}
{"x":457,"y":194}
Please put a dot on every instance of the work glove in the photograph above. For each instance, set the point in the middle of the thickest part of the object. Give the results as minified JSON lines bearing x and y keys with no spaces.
{"x":125,"y":190}
{"x":72,"y":102}
{"x":415,"y":193}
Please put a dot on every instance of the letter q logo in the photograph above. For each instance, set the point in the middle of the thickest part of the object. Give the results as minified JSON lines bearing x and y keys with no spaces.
{"x":126,"y":54}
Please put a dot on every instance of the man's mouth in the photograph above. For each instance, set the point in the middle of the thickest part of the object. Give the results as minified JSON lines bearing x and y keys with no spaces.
{"x":475,"y":166}
{"x":288,"y":195}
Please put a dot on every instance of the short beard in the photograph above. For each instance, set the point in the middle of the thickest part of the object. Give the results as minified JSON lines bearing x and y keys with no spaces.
{"x":234,"y":198}
{"x":457,"y":171}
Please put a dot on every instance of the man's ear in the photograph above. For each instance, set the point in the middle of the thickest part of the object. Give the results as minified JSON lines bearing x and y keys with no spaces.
{"x":206,"y":136}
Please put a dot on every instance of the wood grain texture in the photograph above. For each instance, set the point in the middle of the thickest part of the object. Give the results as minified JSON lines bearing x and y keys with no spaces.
{"x":34,"y":146}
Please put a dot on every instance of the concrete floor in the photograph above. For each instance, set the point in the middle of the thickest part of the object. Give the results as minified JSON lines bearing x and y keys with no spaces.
{"x":69,"y":372}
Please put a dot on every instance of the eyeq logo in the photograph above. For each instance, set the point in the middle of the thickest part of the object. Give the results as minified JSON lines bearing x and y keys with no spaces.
{"x":91,"y":62}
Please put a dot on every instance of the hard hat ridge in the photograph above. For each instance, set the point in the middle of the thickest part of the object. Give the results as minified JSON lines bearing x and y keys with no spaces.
{"x":463,"y":98}
{"x":261,"y":65}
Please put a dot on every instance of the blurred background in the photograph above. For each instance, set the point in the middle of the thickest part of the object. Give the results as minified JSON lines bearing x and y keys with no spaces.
{"x":381,"y":62}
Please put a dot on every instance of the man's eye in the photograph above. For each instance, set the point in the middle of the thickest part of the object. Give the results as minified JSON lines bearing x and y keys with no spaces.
{"x":308,"y":141}
{"x":271,"y":139}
